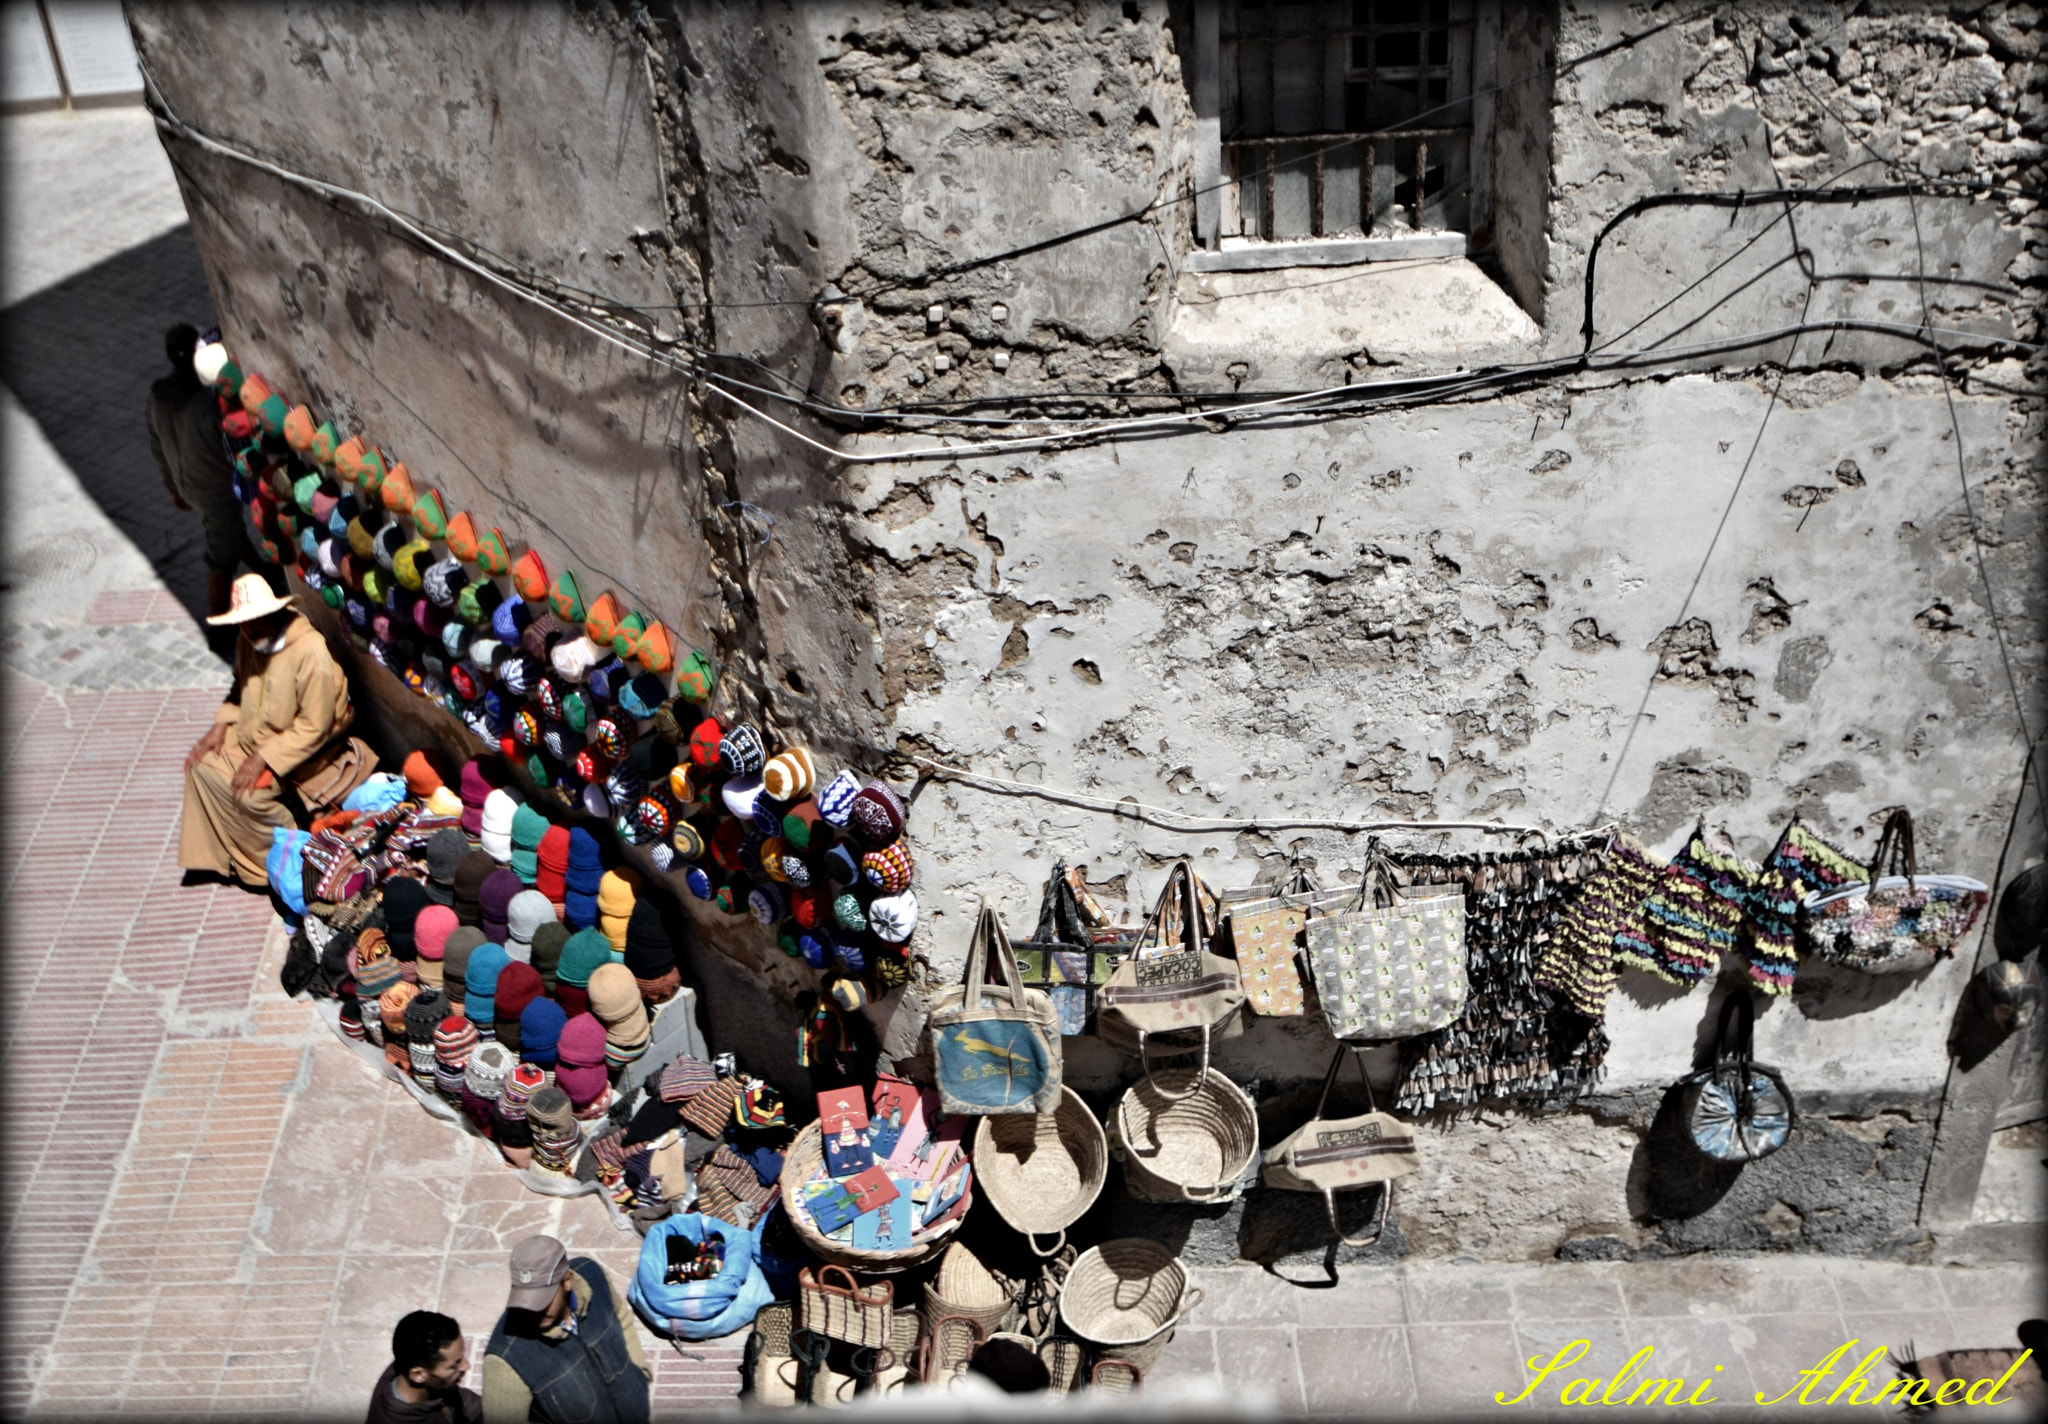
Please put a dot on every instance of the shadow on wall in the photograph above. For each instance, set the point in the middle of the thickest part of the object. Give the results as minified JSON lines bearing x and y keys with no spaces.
{"x":80,"y":356}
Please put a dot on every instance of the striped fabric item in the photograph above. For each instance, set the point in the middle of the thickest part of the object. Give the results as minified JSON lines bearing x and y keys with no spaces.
{"x":1578,"y":964}
{"x":1695,"y":915}
{"x":686,"y":1077}
{"x":1802,"y":864}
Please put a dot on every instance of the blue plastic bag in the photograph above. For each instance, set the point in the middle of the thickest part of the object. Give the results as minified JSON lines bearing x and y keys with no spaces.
{"x":698,"y":1310}
{"x":285,"y":865}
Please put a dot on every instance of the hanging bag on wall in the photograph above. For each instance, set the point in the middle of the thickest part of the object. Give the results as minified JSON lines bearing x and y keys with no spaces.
{"x":1330,"y":1155}
{"x":1388,"y":970}
{"x":1270,"y":939}
{"x":1737,"y":1110}
{"x":1184,"y":998}
{"x":1896,"y":921}
{"x":1067,"y":956}
{"x":997,"y":1052}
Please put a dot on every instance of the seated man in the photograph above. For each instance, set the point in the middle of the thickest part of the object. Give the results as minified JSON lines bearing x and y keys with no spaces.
{"x":282,"y":721}
{"x":423,"y":1382}
{"x":567,"y":1347}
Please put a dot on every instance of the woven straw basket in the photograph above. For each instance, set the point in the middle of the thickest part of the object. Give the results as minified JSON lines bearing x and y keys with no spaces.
{"x":806,"y":1158}
{"x":1042,"y":1171}
{"x":965,"y":1287}
{"x":1187,"y":1136}
{"x":1125,"y":1297}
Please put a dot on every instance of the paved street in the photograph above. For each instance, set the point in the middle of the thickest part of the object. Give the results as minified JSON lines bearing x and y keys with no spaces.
{"x":214,"y":1208}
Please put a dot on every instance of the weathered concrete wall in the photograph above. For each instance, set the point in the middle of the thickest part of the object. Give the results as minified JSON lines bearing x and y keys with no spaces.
{"x":1446,"y":611}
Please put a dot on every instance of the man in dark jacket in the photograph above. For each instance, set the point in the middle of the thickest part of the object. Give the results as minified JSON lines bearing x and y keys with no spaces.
{"x":423,"y":1382}
{"x":567,"y":1347}
{"x":184,"y":436}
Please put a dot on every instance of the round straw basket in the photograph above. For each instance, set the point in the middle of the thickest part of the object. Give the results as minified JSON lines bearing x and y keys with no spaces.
{"x":1124,"y":1298}
{"x":1041,"y":1171}
{"x":805,"y":1161}
{"x":1187,"y":1136}
{"x":964,"y":1286}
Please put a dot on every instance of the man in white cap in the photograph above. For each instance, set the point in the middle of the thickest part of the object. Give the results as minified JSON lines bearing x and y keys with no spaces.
{"x":282,"y":722}
{"x":567,"y":1347}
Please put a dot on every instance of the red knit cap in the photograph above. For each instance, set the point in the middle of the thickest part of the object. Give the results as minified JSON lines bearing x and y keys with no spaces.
{"x":551,"y":866}
{"x":518,"y":986}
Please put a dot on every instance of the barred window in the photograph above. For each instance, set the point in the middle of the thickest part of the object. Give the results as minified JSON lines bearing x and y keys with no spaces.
{"x":1304,"y":83}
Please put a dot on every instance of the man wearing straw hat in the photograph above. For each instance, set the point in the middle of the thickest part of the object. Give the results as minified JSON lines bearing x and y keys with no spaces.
{"x":289,"y":703}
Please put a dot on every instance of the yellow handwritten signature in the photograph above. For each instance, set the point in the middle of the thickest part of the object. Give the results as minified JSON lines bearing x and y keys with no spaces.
{"x":1645,"y":1388}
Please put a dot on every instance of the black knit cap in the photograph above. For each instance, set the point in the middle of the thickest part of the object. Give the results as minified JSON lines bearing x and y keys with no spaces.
{"x":649,"y":954}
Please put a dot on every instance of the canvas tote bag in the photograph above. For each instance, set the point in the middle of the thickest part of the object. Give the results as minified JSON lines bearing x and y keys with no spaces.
{"x":1390,"y":970}
{"x":1330,"y":1155}
{"x":1186,"y":997}
{"x":997,"y":1047}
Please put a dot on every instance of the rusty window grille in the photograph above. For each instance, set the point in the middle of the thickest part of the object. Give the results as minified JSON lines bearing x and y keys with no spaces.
{"x":1299,"y":78}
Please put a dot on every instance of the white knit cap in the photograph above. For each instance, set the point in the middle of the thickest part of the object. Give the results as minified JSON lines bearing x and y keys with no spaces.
{"x":573,"y":658}
{"x":893,"y":917}
{"x":499,"y":807}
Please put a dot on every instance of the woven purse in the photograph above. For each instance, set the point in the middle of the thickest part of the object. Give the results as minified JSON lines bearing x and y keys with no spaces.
{"x":1185,"y":997}
{"x":1330,"y":1155}
{"x":836,"y":1306}
{"x":1386,"y":970}
{"x":1897,"y":923}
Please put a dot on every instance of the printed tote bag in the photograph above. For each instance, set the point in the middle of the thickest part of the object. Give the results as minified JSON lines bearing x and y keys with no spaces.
{"x":1330,"y":1155}
{"x":1186,"y":996}
{"x":1387,"y":970}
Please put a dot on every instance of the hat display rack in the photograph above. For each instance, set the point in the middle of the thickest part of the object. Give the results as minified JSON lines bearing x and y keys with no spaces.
{"x":490,"y":952}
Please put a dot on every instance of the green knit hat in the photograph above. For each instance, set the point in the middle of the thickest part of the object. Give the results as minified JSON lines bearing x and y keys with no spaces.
{"x":581,"y":956}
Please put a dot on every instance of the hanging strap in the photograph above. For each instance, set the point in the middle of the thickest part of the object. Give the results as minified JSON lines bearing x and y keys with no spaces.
{"x":1376,"y":882}
{"x":1330,"y":1079}
{"x":1895,"y":848}
{"x":1181,"y":877}
{"x":991,"y":943}
{"x":1379,"y":1219}
{"x":1201,"y":1074}
{"x":1734,"y":1039}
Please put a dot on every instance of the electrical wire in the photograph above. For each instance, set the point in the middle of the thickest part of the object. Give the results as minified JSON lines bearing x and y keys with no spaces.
{"x":1727,"y":508}
{"x":2019,"y":705}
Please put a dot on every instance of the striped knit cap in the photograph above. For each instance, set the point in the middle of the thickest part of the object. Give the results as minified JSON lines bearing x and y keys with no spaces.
{"x":454,"y":1040}
{"x":686,"y":1077}
{"x":550,"y":1107}
{"x":520,"y":1086}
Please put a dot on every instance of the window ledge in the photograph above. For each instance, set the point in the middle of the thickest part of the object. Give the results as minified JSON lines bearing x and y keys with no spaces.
{"x":1301,"y":329}
{"x":1241,"y":254}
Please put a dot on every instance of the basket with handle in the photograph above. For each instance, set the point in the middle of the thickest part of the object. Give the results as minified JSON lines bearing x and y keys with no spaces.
{"x":1042,"y":1171}
{"x":805,"y":1162}
{"x":833,"y":1304}
{"x":1125,"y":1297}
{"x":964,"y":1286}
{"x":1187,"y":1136}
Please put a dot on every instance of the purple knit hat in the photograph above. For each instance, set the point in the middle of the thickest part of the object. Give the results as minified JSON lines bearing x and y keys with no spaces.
{"x":494,"y":899}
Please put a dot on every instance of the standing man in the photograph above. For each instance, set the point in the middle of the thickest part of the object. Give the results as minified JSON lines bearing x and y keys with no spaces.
{"x":184,"y":436}
{"x":423,"y":1382}
{"x":567,"y":1347}
{"x":282,"y":721}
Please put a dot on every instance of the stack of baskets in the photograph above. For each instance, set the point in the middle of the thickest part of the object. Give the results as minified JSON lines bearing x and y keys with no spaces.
{"x":1125,"y":1297}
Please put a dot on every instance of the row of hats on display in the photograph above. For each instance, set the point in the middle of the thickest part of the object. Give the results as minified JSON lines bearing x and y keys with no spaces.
{"x":571,"y":689}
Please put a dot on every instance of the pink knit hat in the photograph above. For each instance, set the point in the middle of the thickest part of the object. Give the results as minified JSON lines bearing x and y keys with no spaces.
{"x":431,"y":930}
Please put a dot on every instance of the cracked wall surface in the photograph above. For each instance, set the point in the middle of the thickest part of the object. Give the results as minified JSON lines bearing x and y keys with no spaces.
{"x":1438,"y":610}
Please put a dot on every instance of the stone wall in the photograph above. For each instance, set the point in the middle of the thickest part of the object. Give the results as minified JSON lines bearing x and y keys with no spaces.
{"x":1443,"y":610}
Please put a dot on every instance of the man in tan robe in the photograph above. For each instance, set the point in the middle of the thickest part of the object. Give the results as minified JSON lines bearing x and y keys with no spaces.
{"x":289,"y":701}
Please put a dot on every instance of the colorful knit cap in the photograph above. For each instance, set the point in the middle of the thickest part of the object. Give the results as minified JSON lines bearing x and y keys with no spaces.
{"x":893,"y":918}
{"x":431,"y":930}
{"x":615,"y":1001}
{"x":486,"y":1070}
{"x":487,"y":964}
{"x":580,"y":1043}
{"x":888,"y":869}
{"x":455,"y":1039}
{"x":494,"y":902}
{"x":759,"y":1106}
{"x":740,"y":752}
{"x":696,"y":678}
{"x":790,"y":775}
{"x":876,"y":815}
{"x":835,"y":802}
{"x":642,"y":697}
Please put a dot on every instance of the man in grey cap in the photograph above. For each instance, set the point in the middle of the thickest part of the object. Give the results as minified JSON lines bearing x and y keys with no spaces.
{"x":567,"y":1347}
